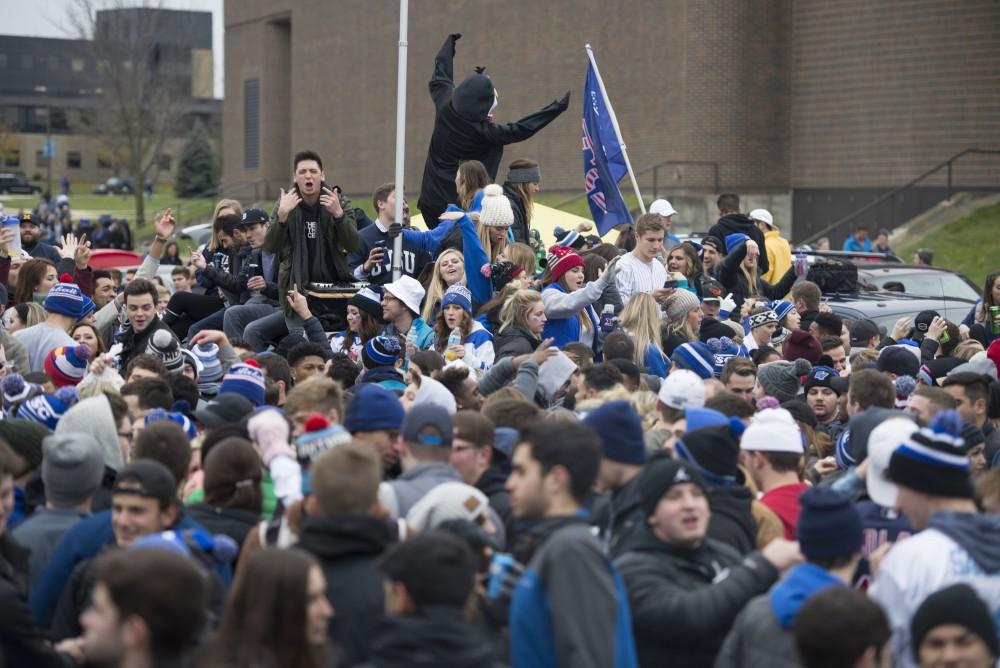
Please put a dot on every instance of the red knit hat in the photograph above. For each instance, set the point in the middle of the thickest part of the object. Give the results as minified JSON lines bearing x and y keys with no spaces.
{"x":561,"y":259}
{"x":802,"y":344}
{"x":993,"y":352}
{"x":67,"y":365}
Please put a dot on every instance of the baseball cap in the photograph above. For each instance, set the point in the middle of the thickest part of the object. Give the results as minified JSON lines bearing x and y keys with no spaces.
{"x":424,"y":418}
{"x":711,"y":290}
{"x":899,"y":360}
{"x":662,"y":207}
{"x":922,"y":322}
{"x":226,"y":409}
{"x":253,"y":216}
{"x":682,"y":389}
{"x":763,"y":215}
{"x":155,"y":481}
{"x":863,"y":330}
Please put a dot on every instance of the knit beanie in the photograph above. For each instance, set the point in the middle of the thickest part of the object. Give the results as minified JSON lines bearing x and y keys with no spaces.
{"x":724,"y":349}
{"x":620,"y":429}
{"x":800,"y":344}
{"x":16,"y":390}
{"x":660,"y":474}
{"x":67,"y":365}
{"x":682,"y":389}
{"x":164,"y":344}
{"x":458,"y":295}
{"x":496,"y":211}
{"x":829,"y":525}
{"x":960,"y":605}
{"x":767,"y":317}
{"x":933,"y":460}
{"x":319,"y":436}
{"x":714,"y":451}
{"x":369,"y":300}
{"x":448,"y":501}
{"x":247,"y":380}
{"x":936,"y":369}
{"x":25,"y":439}
{"x":373,"y":408}
{"x":773,"y":430}
{"x":993,"y":353}
{"x":781,"y":379}
{"x":380,"y":351}
{"x":66,"y":298}
{"x":781,"y":308}
{"x":561,"y":259}
{"x":185,"y":423}
{"x":502,"y":273}
{"x":211,"y":368}
{"x":568,"y":239}
{"x":824,"y":376}
{"x":72,"y":468}
{"x":679,"y":304}
{"x":46,"y":409}
{"x":697,"y":357}
{"x":734,"y":240}
{"x":435,"y":393}
{"x":852,"y":445}
{"x":699,"y":418}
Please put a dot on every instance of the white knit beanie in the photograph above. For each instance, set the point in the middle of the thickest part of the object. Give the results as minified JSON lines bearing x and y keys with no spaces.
{"x":496,"y":211}
{"x":447,"y":501}
{"x":680,"y":304}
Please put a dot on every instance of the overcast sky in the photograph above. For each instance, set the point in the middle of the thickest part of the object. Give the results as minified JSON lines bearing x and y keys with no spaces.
{"x":47,"y":18}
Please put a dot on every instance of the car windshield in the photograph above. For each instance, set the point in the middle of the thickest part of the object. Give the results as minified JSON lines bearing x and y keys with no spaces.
{"x":930,"y":284}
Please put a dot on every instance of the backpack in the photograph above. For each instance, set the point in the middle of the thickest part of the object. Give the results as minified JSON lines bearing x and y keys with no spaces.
{"x":834,"y":275}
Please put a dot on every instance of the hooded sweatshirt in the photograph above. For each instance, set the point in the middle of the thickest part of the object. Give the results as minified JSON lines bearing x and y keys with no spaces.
{"x":955,"y":547}
{"x":433,"y":636}
{"x":738,"y":223}
{"x":94,"y":417}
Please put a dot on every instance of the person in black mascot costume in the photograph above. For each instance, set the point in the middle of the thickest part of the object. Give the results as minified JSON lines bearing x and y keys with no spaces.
{"x":463,"y":130}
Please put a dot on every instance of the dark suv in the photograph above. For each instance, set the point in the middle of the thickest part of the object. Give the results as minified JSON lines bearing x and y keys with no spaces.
{"x":12,"y":184}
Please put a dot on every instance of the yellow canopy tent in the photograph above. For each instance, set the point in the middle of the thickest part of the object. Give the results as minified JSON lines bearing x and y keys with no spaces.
{"x":545,"y":220}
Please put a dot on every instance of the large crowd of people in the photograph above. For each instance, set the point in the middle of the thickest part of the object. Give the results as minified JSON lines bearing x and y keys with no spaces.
{"x":651,"y":452}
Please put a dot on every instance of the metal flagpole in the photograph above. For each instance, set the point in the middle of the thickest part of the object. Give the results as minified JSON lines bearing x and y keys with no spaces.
{"x":618,"y":131}
{"x":397,"y":248}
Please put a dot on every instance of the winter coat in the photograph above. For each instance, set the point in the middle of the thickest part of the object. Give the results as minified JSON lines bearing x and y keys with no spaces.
{"x":233,"y":522}
{"x":556,"y":619}
{"x":399,"y":495}
{"x":734,"y":281}
{"x":348,"y":548}
{"x":955,"y":547}
{"x":479,"y":352}
{"x":514,"y":341}
{"x":520,"y":228}
{"x":732,"y":520}
{"x":40,"y":533}
{"x":432,"y":637}
{"x":21,"y":641}
{"x":336,"y":237}
{"x":762,"y":635}
{"x":682,"y":603}
{"x":493,"y":483}
{"x":619,"y":518}
{"x":738,"y":223}
{"x":222,"y":272}
{"x":561,"y":309}
{"x":463,"y":131}
{"x":779,"y":256}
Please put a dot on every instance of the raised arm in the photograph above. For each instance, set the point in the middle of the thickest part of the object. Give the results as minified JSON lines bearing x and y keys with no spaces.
{"x":442,"y":82}
{"x":511,"y":133}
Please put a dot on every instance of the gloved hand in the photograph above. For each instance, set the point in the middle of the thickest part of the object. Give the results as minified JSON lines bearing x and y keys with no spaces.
{"x":610,"y":273}
{"x":726,"y":306}
{"x":564,"y":103}
{"x":271,"y":432}
{"x":395,"y":230}
{"x":501,"y":586}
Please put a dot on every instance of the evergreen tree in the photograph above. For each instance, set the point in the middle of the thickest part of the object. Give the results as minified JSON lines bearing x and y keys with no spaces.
{"x":197,"y":170}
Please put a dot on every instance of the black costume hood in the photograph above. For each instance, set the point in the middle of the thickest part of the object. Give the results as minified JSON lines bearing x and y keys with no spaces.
{"x":474,"y":98}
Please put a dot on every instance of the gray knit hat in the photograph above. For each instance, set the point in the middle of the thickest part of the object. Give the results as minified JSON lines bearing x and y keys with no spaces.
{"x":680,"y":304}
{"x":781,"y":379}
{"x":72,"y":468}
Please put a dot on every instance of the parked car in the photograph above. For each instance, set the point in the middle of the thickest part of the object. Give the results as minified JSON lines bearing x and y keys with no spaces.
{"x":917,"y":280}
{"x":199,"y":234}
{"x":12,"y":184}
{"x":885,"y":308}
{"x":113,"y":186}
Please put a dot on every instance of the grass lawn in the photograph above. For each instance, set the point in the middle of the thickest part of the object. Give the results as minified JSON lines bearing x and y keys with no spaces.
{"x":968,"y":245}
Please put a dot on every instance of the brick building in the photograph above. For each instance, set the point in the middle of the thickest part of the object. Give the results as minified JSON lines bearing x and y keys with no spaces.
{"x":806,"y":106}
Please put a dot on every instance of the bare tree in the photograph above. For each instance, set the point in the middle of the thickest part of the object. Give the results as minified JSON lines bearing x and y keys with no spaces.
{"x":142,"y":88}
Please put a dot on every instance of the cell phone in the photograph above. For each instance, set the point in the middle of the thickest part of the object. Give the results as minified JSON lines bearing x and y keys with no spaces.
{"x":671,"y":284}
{"x":254,"y":269}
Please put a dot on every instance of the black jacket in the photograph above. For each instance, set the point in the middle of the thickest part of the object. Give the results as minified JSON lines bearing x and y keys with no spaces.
{"x":619,"y":518}
{"x":493,"y":484}
{"x":463,"y":131}
{"x":520,"y":227}
{"x":435,"y":637}
{"x":348,"y":548}
{"x":734,"y":281}
{"x":224,"y":275}
{"x":514,"y":341}
{"x":21,"y":641}
{"x":683,"y":601}
{"x":738,"y":223}
{"x":135,"y":343}
{"x":732,"y":521}
{"x":232,"y":522}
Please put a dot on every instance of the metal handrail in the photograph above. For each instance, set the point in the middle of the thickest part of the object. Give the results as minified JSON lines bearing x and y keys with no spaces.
{"x":656,"y":173}
{"x":891,"y":195}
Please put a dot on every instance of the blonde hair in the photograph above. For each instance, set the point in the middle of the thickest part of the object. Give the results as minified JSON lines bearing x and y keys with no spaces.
{"x":515,"y":311}
{"x":36,"y":314}
{"x":436,"y":286}
{"x":522,"y":189}
{"x":643,"y":401}
{"x":222,"y":204}
{"x":966,"y":349}
{"x":753,"y":287}
{"x":641,"y":319}
{"x":522,"y":255}
{"x":492,"y":251}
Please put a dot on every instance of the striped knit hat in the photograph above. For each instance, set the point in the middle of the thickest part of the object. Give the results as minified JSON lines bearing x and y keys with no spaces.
{"x":67,"y":365}
{"x":380,"y":351}
{"x":697,"y":357}
{"x":47,"y":409}
{"x":247,"y":380}
{"x":723,"y":350}
{"x":185,"y":423}
{"x":210,"y":373}
{"x":16,"y":390}
{"x":560,"y":260}
{"x":933,"y":460}
{"x":763,"y":318}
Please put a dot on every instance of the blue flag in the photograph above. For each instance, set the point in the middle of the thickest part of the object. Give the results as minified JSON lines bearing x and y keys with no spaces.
{"x":603,"y":162}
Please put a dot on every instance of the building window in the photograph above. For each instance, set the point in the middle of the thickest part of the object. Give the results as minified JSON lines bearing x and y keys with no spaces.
{"x":25,"y":62}
{"x":41,"y":160}
{"x":163,"y":162}
{"x":73,"y":160}
{"x":77,"y":64}
{"x":251,"y":124}
{"x":13,"y":157}
{"x":103,"y":160}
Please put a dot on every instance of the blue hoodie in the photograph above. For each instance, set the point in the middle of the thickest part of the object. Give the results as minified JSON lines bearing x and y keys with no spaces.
{"x":801,"y":583}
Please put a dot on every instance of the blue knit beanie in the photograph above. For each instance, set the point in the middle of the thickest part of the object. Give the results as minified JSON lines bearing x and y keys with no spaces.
{"x":724,"y":349}
{"x":380,"y":351}
{"x":185,"y":423}
{"x":459,"y":295}
{"x":829,"y":526}
{"x":67,"y":299}
{"x":47,"y":409}
{"x":246,"y":380}
{"x":733,"y":240}
{"x":373,"y":408}
{"x":697,"y":357}
{"x":781,"y":308}
{"x":620,"y":429}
